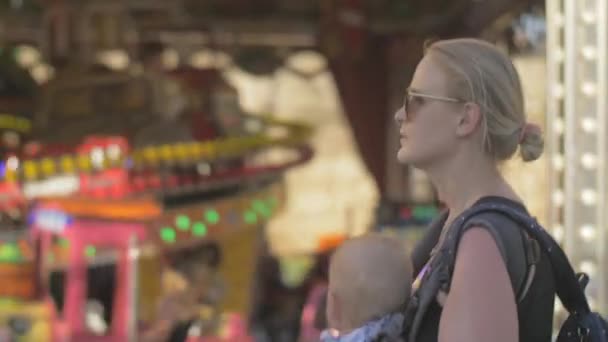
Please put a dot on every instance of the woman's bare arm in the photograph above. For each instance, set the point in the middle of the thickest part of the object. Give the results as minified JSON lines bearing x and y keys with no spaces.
{"x":481,"y":304}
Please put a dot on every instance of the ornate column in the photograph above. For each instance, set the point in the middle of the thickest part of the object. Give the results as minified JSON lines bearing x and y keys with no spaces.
{"x":577,"y":37}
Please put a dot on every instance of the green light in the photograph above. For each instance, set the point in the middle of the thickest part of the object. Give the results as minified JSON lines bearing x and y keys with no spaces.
{"x":90,"y":251}
{"x":250,"y":217}
{"x":199,"y":229}
{"x":258,"y":205}
{"x":419,"y":212}
{"x":424,"y":212}
{"x":212,"y":216}
{"x":10,"y":253}
{"x":182,"y":222}
{"x":261,"y":208}
{"x":167,"y":234}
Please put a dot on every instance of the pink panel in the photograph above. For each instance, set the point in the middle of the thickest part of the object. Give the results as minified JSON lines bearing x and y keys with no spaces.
{"x":107,"y":234}
{"x":75,"y":287}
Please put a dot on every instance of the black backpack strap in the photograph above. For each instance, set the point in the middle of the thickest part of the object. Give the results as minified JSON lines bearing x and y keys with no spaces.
{"x":424,"y":247}
{"x":434,"y":281}
{"x":568,"y":287}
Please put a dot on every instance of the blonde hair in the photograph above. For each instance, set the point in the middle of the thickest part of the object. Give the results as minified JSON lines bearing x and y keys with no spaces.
{"x":482,"y":74}
{"x":372,"y":275}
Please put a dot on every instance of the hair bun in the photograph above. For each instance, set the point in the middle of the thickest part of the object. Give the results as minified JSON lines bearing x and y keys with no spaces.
{"x":531,"y":143}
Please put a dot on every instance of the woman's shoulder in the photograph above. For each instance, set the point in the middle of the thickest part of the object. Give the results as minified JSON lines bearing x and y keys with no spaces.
{"x":517,"y":249}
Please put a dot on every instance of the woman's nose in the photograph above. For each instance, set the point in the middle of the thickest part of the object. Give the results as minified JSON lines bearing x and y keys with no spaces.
{"x":400,"y":115}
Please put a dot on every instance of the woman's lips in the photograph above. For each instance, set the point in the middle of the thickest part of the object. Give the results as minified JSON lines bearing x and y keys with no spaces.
{"x":402,"y":137}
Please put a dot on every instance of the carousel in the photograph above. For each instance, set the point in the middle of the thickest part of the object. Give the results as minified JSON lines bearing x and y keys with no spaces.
{"x":120,"y":173}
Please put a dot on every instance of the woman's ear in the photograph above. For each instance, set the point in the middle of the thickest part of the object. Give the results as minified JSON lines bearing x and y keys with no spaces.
{"x":469,"y":119}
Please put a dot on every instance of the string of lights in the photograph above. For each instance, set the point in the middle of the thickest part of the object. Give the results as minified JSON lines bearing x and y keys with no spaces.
{"x":576,"y":135}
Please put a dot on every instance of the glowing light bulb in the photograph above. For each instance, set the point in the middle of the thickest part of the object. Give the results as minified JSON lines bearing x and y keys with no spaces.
{"x":589,"y":197}
{"x":589,"y":88}
{"x":170,"y":59}
{"x":588,"y":17}
{"x":42,"y":73}
{"x":558,"y":126}
{"x":202,"y":59}
{"x":135,"y":253}
{"x":558,"y":197}
{"x":12,"y":163}
{"x":589,"y":161}
{"x":558,"y":162}
{"x":559,"y":55}
{"x":207,"y":58}
{"x":588,"y":267}
{"x":97,"y":157}
{"x":114,"y":59}
{"x":589,"y":52}
{"x":558,"y":91}
{"x":113,"y":151}
{"x":203,"y":169}
{"x":27,"y":56}
{"x":558,"y":232}
{"x":588,"y":124}
{"x":587,"y":232}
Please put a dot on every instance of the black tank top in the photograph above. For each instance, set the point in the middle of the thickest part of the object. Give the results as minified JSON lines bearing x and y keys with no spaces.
{"x":535,"y":311}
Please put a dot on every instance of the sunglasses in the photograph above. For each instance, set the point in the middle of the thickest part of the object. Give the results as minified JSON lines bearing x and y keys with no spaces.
{"x":412,"y":96}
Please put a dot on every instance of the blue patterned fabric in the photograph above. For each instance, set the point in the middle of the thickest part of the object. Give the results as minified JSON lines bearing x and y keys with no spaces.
{"x":388,"y":327}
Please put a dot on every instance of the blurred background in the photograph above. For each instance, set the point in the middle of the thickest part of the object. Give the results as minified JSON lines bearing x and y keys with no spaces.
{"x":181,"y":170}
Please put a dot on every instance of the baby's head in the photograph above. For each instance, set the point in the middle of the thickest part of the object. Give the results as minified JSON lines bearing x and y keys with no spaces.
{"x":369,"y":277}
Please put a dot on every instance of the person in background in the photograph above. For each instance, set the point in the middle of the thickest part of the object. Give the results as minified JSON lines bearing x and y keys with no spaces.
{"x":190,"y":283}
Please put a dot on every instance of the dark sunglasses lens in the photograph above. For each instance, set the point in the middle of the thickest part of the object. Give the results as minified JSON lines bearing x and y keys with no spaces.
{"x":407,"y":104}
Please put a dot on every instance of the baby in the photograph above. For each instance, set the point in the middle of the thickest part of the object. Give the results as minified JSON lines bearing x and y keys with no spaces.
{"x":370,"y":281}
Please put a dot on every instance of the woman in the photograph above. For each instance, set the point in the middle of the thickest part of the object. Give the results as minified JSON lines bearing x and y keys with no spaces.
{"x":463,"y":115}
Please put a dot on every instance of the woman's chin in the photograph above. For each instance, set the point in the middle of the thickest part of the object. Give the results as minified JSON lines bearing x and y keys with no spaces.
{"x":406,"y":157}
{"x":403,"y":156}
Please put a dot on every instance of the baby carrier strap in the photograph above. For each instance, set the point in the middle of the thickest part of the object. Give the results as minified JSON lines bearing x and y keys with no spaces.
{"x":424,"y":247}
{"x":568,"y":287}
{"x":438,"y":278}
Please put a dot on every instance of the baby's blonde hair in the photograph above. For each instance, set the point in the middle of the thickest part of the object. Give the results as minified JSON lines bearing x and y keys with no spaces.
{"x":482,"y":74}
{"x":371,"y":275}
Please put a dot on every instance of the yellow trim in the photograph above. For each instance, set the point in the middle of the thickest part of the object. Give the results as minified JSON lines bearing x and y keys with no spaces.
{"x":37,"y":312}
{"x":8,"y":121}
{"x":193,"y":152}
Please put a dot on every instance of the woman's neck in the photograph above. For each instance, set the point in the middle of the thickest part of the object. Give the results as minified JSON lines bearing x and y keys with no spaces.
{"x":462,"y":182}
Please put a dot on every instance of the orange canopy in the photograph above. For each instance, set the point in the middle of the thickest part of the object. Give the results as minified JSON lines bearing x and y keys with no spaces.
{"x":133,"y":209}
